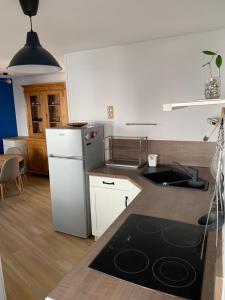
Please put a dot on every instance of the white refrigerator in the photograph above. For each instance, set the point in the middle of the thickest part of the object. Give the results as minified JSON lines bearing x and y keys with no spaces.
{"x":72,"y":152}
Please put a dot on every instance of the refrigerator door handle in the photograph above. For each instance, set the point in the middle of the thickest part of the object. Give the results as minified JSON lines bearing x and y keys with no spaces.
{"x":66,"y":157}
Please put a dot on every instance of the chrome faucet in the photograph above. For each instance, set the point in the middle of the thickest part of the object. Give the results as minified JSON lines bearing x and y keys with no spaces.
{"x":193,"y":174}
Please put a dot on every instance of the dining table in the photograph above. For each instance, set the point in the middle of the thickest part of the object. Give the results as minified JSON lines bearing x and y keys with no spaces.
{"x":4,"y":157}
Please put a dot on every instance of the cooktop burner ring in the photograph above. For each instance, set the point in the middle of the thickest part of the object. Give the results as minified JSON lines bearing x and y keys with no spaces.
{"x":122,"y":258}
{"x":186,"y":267}
{"x":149,"y":226}
{"x":181,"y":236}
{"x":171,"y":279}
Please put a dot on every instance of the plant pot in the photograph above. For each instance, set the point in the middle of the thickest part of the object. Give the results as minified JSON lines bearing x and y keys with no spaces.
{"x":212,"y":222}
{"x":212,"y":88}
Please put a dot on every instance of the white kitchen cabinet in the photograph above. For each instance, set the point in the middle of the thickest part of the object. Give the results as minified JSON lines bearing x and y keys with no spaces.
{"x":109,"y":197}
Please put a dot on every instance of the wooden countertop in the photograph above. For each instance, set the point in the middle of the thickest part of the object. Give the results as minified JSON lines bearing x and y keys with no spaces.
{"x":171,"y":203}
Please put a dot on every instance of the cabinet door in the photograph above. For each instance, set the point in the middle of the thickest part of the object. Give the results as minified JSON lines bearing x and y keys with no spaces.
{"x":37,"y":156}
{"x":106,"y":206}
{"x":36,"y":114}
{"x":56,"y":109}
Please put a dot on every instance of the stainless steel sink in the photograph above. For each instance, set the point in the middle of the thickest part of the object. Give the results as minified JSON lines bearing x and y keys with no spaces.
{"x":171,"y":176}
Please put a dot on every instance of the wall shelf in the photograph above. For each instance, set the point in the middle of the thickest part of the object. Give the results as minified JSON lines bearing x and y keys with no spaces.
{"x":140,"y":124}
{"x":173,"y":106}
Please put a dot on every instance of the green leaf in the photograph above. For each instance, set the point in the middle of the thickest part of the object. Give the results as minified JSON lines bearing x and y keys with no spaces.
{"x":208,"y":52}
{"x":219,"y":61}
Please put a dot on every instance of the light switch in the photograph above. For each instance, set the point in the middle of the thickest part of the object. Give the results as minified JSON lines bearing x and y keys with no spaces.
{"x":110,"y":112}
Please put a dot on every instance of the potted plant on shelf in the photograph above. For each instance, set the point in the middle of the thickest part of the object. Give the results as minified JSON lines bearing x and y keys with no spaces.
{"x":212,"y":87}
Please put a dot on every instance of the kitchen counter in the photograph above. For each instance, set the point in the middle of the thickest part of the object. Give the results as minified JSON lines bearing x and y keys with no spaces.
{"x":165,"y":202}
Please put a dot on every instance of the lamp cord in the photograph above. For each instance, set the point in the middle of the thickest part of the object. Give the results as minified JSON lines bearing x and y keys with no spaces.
{"x":31,"y":25}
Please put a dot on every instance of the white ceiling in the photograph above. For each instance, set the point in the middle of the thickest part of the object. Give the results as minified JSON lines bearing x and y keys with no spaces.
{"x":70,"y":25}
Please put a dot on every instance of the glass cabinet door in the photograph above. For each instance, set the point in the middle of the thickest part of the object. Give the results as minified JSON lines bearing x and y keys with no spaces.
{"x":37,"y":115}
{"x":54,"y":109}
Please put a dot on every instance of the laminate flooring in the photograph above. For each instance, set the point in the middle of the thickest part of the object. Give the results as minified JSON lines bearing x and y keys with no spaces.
{"x":35,"y":257}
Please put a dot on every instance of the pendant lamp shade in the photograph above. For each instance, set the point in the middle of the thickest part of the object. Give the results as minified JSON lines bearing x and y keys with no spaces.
{"x":29,"y":7}
{"x":33,"y":58}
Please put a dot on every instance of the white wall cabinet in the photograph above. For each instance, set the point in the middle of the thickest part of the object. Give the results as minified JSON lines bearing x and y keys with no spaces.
{"x":109,"y":197}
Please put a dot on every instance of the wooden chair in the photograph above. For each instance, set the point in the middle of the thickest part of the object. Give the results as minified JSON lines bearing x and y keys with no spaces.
{"x":10,"y":173}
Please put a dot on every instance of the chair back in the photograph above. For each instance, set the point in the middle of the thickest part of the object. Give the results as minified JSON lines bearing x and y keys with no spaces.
{"x":14,"y":150}
{"x":9,"y":170}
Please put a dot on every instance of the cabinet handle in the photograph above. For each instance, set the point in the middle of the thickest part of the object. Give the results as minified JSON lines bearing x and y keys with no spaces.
{"x":126,"y":199}
{"x":111,"y":183}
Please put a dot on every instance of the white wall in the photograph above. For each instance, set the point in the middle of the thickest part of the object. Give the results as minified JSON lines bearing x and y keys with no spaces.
{"x":20,"y":105}
{"x":138,"y":78}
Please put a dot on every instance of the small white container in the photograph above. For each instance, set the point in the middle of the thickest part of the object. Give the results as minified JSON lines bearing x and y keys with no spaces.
{"x":152,"y":160}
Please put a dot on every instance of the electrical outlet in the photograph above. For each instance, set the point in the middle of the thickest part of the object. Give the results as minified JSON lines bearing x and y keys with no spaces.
{"x":110,"y":112}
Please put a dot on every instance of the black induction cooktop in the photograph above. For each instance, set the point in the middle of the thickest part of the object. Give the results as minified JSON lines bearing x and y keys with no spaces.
{"x":156,"y":253}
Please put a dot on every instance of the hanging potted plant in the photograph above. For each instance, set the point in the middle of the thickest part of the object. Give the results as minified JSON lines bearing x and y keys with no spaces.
{"x":212,"y":87}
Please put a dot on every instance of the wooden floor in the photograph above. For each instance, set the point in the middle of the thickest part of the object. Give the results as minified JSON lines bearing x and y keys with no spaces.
{"x":35,"y":257}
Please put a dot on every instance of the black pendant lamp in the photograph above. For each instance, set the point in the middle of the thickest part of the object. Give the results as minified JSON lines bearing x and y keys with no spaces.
{"x":33,"y":58}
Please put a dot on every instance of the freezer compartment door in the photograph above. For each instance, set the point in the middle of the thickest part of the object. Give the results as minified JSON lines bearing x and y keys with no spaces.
{"x":69,"y":206}
{"x":64,"y":142}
